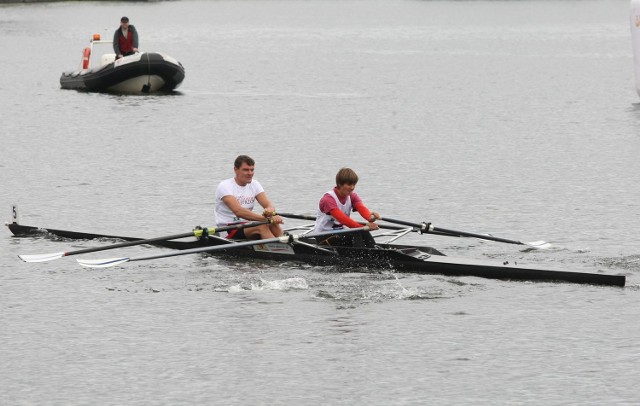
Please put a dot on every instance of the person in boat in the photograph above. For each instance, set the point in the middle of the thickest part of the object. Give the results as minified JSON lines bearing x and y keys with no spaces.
{"x":335,"y":207}
{"x":235,"y":198}
{"x":125,"y":39}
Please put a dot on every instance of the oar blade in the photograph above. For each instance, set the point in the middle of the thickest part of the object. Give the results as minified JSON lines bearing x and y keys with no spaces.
{"x":530,"y":246}
{"x":429,"y":228}
{"x":102,"y":263}
{"x":539,"y":245}
{"x":41,"y":257}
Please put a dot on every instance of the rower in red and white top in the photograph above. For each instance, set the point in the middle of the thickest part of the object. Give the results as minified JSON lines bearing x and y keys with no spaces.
{"x":335,"y":206}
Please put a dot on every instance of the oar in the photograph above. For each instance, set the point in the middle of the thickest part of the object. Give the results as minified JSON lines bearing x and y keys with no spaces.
{"x":109,"y":262}
{"x":313,"y":218}
{"x":197,"y":233}
{"x":429,"y":228}
{"x":298,"y":216}
{"x":384,"y":226}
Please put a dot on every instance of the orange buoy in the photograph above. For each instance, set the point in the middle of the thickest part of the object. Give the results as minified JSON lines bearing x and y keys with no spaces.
{"x":85,"y":57}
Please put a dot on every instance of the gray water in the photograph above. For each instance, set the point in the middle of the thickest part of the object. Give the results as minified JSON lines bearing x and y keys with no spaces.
{"x":516,"y":118}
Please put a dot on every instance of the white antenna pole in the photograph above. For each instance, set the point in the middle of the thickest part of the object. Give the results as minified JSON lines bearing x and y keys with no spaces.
{"x":635,"y":40}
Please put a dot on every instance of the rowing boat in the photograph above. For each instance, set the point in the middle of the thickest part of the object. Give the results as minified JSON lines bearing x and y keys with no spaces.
{"x":382,"y":256}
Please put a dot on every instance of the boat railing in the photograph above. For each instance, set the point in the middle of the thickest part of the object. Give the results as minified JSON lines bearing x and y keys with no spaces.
{"x":394,"y":234}
{"x":101,"y":53}
{"x":304,"y":229}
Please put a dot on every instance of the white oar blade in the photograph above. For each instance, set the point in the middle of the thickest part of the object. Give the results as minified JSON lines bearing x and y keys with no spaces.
{"x":102,"y":263}
{"x":539,"y":245}
{"x":41,"y":257}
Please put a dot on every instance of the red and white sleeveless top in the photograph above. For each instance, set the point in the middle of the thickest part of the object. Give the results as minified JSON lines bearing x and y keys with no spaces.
{"x":325,"y":222}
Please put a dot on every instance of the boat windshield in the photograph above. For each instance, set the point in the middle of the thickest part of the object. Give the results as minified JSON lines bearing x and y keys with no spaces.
{"x":101,"y":53}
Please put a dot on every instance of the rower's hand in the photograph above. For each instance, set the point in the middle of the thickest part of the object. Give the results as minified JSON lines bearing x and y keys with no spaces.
{"x":268,"y":212}
{"x":374,"y":216}
{"x":372,"y":226}
{"x":275,"y":219}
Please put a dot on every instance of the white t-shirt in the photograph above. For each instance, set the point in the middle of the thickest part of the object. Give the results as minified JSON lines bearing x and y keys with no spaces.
{"x":245,"y":195}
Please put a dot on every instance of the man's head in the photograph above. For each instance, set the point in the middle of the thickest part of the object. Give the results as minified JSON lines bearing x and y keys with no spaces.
{"x":124,"y":22}
{"x":243,"y":159}
{"x":244,"y":167}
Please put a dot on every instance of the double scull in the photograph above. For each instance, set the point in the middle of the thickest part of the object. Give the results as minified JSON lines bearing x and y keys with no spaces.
{"x":306,"y":249}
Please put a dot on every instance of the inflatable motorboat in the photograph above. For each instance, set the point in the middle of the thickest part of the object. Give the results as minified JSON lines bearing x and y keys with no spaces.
{"x":143,"y":72}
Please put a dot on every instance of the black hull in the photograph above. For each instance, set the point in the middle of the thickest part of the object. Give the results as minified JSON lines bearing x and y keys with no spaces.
{"x":115,"y":76}
{"x":400,"y":258}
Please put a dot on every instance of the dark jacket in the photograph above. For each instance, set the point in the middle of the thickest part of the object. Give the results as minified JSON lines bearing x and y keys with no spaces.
{"x":122,"y":45}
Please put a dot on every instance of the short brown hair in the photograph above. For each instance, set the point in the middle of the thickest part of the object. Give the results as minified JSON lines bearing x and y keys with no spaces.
{"x":243,"y":159}
{"x":346,"y":176}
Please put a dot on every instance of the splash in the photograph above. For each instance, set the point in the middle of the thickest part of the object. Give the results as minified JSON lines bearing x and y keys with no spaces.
{"x":281,"y":284}
{"x":278,"y":284}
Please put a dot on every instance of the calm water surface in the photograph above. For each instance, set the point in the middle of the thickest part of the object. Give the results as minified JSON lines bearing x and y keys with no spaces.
{"x":515,"y":118}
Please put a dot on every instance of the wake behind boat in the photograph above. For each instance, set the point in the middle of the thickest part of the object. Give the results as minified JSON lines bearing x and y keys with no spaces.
{"x":306,"y":249}
{"x":144,"y":72}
